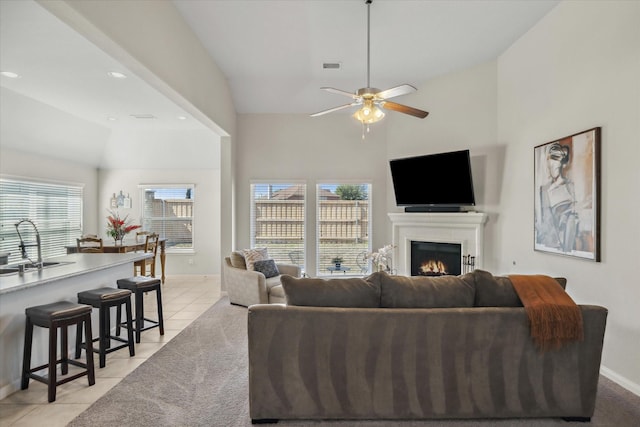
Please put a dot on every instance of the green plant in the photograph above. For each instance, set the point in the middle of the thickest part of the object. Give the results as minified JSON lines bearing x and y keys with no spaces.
{"x":337,"y":260}
{"x":351,"y":192}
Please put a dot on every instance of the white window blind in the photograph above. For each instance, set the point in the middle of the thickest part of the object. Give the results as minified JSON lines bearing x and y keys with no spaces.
{"x":168,"y":210}
{"x":343,"y":215}
{"x":278,"y":220}
{"x":55,"y":209}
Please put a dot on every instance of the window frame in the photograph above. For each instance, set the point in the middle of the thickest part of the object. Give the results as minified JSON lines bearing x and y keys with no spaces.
{"x":252,"y":217}
{"x":322,"y":266}
{"x":144,"y":220}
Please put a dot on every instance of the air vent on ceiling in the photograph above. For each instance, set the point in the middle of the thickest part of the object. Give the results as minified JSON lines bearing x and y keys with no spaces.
{"x":331,"y":65}
{"x":143,"y":116}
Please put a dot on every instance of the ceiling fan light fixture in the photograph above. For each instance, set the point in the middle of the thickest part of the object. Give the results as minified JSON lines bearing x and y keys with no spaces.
{"x":369,"y":113}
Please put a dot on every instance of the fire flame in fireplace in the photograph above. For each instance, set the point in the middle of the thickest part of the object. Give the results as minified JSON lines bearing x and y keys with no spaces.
{"x":433,"y":268}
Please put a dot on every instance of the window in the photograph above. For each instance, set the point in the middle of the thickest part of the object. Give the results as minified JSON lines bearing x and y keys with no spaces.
{"x":342,"y":228}
{"x":168,"y":211}
{"x":278,"y":220}
{"x":55,"y":209}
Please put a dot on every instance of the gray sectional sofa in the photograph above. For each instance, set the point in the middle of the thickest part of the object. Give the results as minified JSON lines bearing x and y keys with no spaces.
{"x":391,"y":347}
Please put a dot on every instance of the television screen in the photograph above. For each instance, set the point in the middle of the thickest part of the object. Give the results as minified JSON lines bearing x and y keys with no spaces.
{"x":435,"y":180}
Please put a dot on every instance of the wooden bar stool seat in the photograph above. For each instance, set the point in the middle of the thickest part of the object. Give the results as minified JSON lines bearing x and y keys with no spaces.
{"x":140,"y":285}
{"x":56,"y":315}
{"x":103,"y":299}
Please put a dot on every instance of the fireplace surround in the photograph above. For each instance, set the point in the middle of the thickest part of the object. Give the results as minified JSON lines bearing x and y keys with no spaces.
{"x":465,"y":229}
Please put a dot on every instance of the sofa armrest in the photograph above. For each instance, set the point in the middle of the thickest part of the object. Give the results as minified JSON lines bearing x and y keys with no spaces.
{"x":290,"y":269}
{"x":244,"y":287}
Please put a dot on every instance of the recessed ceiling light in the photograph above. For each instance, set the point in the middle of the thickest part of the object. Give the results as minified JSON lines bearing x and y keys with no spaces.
{"x":10,"y":74}
{"x":117,"y":75}
{"x":182,"y":118}
{"x":111,"y":119}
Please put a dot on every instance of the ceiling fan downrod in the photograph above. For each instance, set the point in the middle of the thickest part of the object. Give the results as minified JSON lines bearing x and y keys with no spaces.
{"x":368,"y":3}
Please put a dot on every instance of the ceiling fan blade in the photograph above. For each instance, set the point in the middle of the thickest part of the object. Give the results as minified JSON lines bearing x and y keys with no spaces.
{"x":396,"y":91}
{"x":331,"y":110}
{"x":340,"y":92}
{"x":404,"y":109}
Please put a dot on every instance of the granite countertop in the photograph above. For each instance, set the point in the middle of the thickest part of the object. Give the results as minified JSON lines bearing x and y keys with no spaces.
{"x":71,"y":266}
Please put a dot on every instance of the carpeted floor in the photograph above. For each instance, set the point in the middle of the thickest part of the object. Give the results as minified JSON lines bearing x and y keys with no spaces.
{"x":200,"y":378}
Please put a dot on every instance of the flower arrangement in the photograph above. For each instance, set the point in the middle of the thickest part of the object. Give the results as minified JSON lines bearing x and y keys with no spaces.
{"x":117,"y":228}
{"x":381,"y":260}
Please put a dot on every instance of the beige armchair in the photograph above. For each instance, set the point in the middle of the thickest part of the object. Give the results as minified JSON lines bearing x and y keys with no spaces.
{"x":247,"y":287}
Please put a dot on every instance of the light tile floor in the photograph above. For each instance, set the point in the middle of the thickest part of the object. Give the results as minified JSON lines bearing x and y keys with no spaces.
{"x":184,"y":298}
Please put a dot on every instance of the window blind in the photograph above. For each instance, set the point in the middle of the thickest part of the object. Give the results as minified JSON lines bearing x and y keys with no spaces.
{"x":168,"y":210}
{"x":343,"y":226}
{"x":55,"y":209}
{"x":278,"y":220}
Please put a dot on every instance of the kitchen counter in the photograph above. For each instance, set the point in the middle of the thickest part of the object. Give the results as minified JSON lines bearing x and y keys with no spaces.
{"x":80,"y":272}
{"x":71,"y":265}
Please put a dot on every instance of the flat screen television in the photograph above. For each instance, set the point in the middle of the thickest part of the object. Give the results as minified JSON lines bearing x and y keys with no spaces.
{"x":434,"y":182}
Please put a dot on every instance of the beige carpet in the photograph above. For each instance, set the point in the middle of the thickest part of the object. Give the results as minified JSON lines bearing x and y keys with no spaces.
{"x":200,"y":378}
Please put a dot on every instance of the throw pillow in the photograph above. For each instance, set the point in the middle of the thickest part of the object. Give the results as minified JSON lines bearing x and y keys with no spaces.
{"x":497,"y":291}
{"x":267,"y":267}
{"x":237,"y":260}
{"x":426,"y":292}
{"x":352,"y":292}
{"x":253,"y":255}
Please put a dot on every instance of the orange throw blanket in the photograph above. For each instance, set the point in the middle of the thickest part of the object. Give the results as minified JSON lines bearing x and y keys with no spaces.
{"x":554,"y":317}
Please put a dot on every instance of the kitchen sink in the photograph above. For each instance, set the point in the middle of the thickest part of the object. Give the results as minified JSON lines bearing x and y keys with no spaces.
{"x":29,"y":266}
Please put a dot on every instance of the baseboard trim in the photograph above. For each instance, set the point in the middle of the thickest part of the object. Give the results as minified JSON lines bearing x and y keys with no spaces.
{"x":620,"y":380}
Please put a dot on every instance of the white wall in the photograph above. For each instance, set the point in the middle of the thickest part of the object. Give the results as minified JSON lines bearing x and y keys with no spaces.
{"x":298,"y":147}
{"x":577,"y":69}
{"x":206,"y":255}
{"x":462,"y":115}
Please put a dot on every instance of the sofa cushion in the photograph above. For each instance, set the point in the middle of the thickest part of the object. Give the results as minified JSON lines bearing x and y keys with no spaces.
{"x":253,"y":255}
{"x":272,"y":282}
{"x":349,"y":292}
{"x":237,"y":260}
{"x":426,"y":292}
{"x":497,"y":291}
{"x":277,"y":292}
{"x":267,"y":267}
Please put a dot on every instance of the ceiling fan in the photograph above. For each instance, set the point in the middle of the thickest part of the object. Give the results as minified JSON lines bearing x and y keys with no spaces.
{"x":370,"y":99}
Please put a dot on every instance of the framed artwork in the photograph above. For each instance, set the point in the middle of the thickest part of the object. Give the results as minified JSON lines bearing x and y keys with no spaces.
{"x":567,"y":196}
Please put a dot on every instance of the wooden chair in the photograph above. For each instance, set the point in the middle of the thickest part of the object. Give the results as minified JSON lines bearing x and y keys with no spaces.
{"x":90,"y":244}
{"x":150,"y":246}
{"x":141,"y":236}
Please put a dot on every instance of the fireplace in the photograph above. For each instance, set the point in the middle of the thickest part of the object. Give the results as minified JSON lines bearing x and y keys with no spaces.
{"x":463,"y":230}
{"x":435,"y":258}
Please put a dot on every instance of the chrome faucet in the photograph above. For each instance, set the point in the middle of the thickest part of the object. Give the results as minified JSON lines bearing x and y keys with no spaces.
{"x":23,"y":246}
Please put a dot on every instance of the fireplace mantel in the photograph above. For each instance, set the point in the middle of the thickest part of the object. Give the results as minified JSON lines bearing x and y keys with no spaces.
{"x":465,"y":228}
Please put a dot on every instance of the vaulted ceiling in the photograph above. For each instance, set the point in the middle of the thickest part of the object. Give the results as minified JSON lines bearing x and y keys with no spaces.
{"x":271,"y":51}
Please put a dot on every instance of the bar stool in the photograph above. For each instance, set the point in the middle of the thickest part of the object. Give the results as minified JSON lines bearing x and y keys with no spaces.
{"x":53,"y":316}
{"x":140,"y":285}
{"x":103,"y":299}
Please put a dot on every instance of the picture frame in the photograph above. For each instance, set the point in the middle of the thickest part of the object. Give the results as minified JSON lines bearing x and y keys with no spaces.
{"x":567,"y":195}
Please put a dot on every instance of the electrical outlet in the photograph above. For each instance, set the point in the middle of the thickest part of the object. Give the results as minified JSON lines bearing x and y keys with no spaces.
{"x":190,"y":261}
